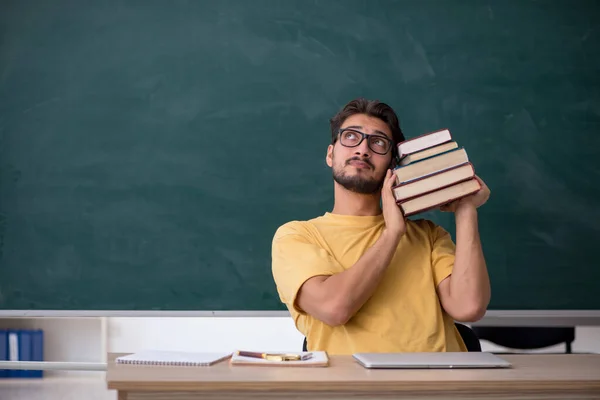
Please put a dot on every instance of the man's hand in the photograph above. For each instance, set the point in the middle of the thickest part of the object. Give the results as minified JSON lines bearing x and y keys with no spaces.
{"x":469,"y":202}
{"x":392,"y":213}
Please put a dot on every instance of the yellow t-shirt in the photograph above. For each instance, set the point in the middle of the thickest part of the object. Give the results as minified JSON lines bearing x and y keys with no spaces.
{"x":403,"y":315}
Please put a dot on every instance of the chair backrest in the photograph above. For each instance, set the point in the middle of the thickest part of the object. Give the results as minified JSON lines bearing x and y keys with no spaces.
{"x":468,"y":336}
{"x":530,"y":337}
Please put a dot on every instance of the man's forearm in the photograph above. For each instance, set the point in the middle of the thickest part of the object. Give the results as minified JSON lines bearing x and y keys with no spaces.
{"x":349,"y":290}
{"x":469,"y":283}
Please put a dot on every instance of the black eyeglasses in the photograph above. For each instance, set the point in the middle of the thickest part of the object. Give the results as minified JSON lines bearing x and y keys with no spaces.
{"x":377,"y":143}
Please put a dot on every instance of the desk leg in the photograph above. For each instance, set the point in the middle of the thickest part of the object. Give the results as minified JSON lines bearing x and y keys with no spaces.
{"x":121,"y":395}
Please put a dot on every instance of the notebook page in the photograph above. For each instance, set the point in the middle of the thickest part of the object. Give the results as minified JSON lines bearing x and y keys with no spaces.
{"x":180,"y":358}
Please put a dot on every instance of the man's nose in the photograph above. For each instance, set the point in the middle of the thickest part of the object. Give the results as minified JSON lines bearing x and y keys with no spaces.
{"x":363,"y":149}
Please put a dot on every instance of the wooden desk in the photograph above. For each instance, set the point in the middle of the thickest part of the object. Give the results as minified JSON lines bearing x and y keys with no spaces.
{"x":532,"y":377}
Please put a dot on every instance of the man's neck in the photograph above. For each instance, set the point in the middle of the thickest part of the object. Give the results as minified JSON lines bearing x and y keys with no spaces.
{"x":352,"y":203}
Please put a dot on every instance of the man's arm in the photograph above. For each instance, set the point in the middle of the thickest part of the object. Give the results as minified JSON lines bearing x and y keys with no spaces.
{"x":336,"y":298}
{"x":466,"y":293}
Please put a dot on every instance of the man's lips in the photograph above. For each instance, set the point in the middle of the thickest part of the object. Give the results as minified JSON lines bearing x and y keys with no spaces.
{"x":360,"y":164}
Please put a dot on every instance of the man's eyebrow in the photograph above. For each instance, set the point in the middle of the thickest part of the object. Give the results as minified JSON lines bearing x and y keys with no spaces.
{"x":360,"y":127}
{"x":381,"y":133}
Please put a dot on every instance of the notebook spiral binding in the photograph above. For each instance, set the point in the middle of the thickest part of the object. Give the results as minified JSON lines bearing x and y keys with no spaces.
{"x":169,"y":363}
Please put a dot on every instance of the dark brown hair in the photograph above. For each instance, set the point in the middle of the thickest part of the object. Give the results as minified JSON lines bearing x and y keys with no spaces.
{"x":372,"y":108}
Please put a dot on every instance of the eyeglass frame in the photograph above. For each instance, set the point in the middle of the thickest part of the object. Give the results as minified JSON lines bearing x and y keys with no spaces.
{"x":366,"y":136}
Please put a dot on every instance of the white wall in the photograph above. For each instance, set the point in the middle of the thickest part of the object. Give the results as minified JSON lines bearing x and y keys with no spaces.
{"x":88,"y":339}
{"x":132,"y":334}
{"x":203,"y":334}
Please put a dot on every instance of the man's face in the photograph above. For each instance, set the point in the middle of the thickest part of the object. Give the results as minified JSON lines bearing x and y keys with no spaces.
{"x":361,"y":169}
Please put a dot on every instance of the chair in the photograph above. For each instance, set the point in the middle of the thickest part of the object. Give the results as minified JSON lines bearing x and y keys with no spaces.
{"x":527,"y":337}
{"x":468,"y":336}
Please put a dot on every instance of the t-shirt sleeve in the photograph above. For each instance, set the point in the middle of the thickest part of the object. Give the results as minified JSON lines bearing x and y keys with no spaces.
{"x":296,"y":257}
{"x":442,"y":253}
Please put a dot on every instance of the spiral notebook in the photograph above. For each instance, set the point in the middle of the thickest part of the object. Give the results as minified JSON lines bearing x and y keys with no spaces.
{"x":173,"y":358}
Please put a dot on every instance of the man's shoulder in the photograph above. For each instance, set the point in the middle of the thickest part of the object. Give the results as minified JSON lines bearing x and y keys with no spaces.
{"x":425,"y":230}
{"x":296,"y":227}
{"x":424,"y":227}
{"x":421,"y":224}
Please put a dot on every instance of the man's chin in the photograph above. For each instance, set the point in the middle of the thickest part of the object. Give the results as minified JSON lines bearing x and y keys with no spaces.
{"x":358,"y":184}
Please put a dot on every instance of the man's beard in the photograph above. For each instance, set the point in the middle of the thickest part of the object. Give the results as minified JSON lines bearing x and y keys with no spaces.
{"x":357,"y":183}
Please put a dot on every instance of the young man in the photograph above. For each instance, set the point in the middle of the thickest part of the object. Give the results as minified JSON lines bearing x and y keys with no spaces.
{"x":362,"y":278}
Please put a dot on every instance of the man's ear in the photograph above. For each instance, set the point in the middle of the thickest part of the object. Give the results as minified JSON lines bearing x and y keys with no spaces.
{"x":329,"y":156}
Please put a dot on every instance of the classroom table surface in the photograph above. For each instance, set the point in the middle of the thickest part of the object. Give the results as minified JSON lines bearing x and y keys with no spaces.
{"x":531,"y":376}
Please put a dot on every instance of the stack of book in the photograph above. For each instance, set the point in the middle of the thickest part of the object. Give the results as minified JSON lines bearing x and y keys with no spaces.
{"x":21,"y":345}
{"x":433,"y":171}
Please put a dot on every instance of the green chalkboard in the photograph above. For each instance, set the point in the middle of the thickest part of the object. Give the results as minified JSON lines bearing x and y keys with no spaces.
{"x":150,"y":149}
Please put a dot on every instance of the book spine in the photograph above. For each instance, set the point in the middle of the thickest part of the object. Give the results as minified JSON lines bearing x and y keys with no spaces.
{"x":440,"y":204}
{"x":404,"y":200}
{"x":406,"y":183}
{"x":37,"y":350}
{"x":25,"y":354}
{"x":423,"y":135}
{"x":430,"y":157}
{"x":13,"y":352}
{"x":401,"y":180}
{"x":428,"y":139}
{"x":3,"y":351}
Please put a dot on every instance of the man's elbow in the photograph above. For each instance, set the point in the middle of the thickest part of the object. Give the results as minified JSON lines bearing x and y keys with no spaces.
{"x":469,"y":312}
{"x":336,"y":314}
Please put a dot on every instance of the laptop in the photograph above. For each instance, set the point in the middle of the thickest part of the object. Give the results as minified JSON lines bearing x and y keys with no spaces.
{"x":431,"y":360}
